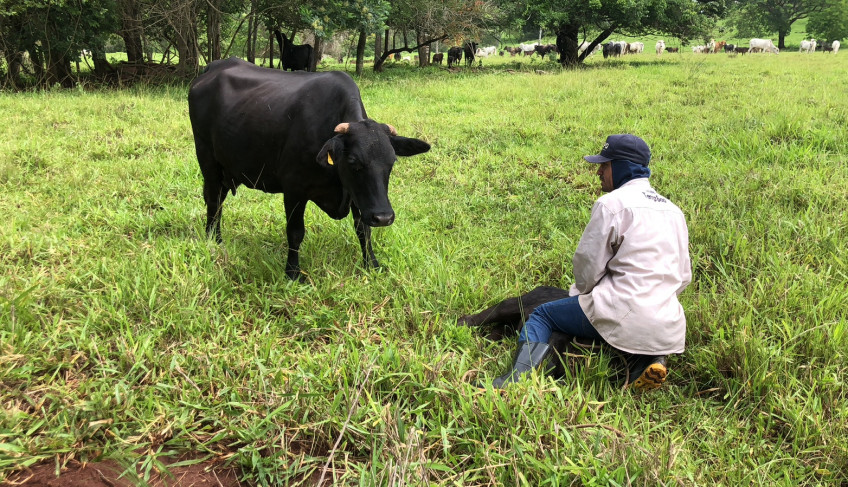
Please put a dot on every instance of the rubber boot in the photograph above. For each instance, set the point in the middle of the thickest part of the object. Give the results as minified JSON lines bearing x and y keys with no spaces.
{"x":530,"y":355}
{"x":646,"y":372}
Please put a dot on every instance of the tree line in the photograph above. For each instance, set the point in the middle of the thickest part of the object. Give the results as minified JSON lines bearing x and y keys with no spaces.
{"x":41,"y":40}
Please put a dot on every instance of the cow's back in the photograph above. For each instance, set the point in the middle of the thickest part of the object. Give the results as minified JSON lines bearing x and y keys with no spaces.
{"x":264,"y":127}
{"x":232,"y":83}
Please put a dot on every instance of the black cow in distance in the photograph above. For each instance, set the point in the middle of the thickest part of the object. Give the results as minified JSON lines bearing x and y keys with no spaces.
{"x":293,"y":57}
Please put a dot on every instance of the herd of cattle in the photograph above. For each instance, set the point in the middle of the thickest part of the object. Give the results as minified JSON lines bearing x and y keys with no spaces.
{"x":756,"y":45}
{"x":470,"y":50}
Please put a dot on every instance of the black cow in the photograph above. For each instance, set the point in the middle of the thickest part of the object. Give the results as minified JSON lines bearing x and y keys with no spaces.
{"x":728,"y":48}
{"x":469,"y":49}
{"x":454,"y":55}
{"x":438,"y":58}
{"x":543,"y":51}
{"x":305,"y":135}
{"x":293,"y":57}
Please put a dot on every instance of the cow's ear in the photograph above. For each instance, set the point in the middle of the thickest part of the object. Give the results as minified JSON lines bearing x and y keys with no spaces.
{"x":331,"y":151}
{"x":405,"y":146}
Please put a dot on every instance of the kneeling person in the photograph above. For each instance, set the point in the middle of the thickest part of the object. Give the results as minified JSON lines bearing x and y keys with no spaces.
{"x":630,"y":265}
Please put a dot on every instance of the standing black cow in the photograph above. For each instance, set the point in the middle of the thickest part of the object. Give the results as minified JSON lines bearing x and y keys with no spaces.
{"x":305,"y":135}
{"x":293,"y":57}
{"x":454,"y":55}
{"x":469,"y":49}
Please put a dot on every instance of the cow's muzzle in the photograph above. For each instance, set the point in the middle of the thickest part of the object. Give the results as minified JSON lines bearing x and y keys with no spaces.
{"x":381,"y":219}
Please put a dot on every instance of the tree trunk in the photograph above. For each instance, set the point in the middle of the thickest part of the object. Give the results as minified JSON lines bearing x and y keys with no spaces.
{"x":781,"y":39}
{"x":360,"y":52}
{"x":213,"y":29}
{"x":271,"y":49}
{"x":59,"y":70}
{"x":378,"y":46}
{"x":131,"y":30}
{"x":251,"y":57}
{"x":317,"y":52}
{"x":256,"y":37}
{"x":566,"y":41}
{"x":423,"y":51}
{"x":148,"y":48}
{"x":184,"y":25}
{"x":101,"y":65}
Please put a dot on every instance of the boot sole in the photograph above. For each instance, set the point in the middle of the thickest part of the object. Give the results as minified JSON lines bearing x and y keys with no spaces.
{"x":652,"y":378}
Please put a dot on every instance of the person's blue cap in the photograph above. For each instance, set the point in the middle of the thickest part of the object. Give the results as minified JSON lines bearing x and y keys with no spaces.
{"x":623,"y":146}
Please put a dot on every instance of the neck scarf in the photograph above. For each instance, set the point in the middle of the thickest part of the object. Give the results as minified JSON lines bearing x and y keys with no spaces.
{"x":624,"y":171}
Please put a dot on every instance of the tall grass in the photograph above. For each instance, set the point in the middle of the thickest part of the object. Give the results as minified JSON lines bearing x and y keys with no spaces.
{"x":126,"y":334}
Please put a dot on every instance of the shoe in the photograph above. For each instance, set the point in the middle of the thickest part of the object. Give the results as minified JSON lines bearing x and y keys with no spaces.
{"x":646,"y":372}
{"x":530,"y":355}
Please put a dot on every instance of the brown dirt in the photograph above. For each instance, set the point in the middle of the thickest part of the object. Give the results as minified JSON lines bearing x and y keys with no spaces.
{"x":106,"y":474}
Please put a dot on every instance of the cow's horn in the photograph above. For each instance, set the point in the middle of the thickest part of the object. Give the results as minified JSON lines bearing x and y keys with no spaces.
{"x":342,"y":128}
{"x":392,"y":130}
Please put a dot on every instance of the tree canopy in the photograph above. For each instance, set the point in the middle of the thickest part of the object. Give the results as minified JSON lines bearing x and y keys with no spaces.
{"x":830,"y":23}
{"x":759,"y":17}
{"x":41,"y":39}
{"x":598,"y":19}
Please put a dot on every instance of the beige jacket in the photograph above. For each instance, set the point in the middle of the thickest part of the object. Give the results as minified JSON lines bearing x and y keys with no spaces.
{"x":630,"y":265}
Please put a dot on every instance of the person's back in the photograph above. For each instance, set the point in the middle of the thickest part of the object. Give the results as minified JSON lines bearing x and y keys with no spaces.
{"x":634,"y":305}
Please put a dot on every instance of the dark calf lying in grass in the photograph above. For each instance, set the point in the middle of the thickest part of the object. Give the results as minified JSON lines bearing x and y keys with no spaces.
{"x":507,"y":317}
{"x":511,"y":313}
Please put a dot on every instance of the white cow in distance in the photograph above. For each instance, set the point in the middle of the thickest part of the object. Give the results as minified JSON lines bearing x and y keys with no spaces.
{"x":660,"y":47}
{"x":808,"y":46}
{"x":528,"y":47}
{"x":835,"y":46}
{"x":766,"y":45}
{"x":585,"y":45}
{"x":486,"y":51}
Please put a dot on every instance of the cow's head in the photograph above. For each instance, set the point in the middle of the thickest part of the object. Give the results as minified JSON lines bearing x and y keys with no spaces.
{"x":363,"y":154}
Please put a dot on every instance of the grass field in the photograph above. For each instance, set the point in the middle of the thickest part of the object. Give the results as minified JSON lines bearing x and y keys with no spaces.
{"x":127,"y":335}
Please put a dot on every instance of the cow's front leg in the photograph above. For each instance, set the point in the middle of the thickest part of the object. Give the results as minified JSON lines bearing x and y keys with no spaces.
{"x":295,"y":230}
{"x":363,"y":233}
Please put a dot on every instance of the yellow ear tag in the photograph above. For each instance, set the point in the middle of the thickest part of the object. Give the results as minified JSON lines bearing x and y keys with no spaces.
{"x":329,"y":159}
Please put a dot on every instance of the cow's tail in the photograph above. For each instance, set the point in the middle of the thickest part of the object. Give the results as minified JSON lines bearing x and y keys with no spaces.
{"x":309,"y":57}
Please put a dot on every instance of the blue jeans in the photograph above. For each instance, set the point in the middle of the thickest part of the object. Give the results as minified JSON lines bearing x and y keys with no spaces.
{"x":563,"y":315}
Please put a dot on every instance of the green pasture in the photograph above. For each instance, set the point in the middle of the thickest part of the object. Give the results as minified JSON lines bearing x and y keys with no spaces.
{"x":125,"y":334}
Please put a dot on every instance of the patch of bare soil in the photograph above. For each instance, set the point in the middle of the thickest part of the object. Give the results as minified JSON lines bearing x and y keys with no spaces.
{"x":208,"y":473}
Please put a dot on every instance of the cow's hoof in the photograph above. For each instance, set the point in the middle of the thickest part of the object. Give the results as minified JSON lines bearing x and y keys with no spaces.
{"x":297,"y":276}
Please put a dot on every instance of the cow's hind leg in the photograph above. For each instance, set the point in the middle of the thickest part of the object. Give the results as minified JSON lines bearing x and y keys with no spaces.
{"x":363,"y":233}
{"x":214,"y":194}
{"x":295,"y":231}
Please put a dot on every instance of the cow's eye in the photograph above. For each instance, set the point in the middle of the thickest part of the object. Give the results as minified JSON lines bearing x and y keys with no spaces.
{"x":355,"y":164}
